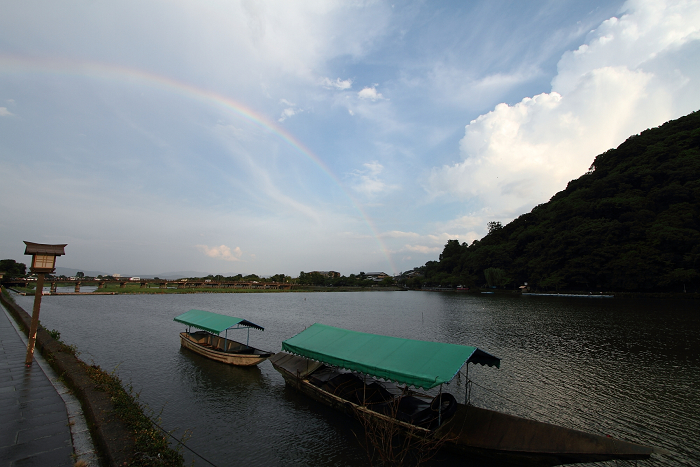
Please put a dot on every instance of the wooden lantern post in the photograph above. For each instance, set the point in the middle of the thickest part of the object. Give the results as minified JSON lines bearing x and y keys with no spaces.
{"x":43,"y":262}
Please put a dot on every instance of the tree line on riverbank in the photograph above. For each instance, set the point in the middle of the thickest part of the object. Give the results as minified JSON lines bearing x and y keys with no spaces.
{"x":631,"y":223}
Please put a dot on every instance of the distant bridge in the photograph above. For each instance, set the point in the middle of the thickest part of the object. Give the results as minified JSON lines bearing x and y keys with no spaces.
{"x":147,"y":283}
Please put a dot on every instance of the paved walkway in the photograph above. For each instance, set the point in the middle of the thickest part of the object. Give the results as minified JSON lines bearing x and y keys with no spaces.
{"x":40,"y":421}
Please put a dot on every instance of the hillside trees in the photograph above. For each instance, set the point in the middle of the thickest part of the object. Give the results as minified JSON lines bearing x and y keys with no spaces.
{"x":631,"y":223}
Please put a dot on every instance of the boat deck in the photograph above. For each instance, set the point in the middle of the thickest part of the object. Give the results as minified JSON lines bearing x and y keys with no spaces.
{"x":217,"y":343}
{"x":383,"y":397}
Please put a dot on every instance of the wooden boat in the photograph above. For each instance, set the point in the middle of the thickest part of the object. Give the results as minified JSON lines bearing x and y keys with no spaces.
{"x":357,"y":373}
{"x":208,"y":343}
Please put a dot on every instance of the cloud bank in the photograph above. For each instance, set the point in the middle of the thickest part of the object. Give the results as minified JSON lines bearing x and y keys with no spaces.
{"x":221,"y":252}
{"x":627,"y":77}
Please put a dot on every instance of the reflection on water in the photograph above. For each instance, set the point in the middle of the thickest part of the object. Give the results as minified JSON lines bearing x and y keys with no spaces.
{"x":628,"y":368}
{"x":206,"y":376}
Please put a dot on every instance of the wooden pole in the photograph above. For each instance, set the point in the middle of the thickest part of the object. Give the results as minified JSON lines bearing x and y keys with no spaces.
{"x":35,"y":319}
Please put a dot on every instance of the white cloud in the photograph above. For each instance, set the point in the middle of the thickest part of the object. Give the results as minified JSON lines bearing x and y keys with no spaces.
{"x":221,"y":252}
{"x":399,"y":234}
{"x":368,"y":181}
{"x":423,"y":249}
{"x":451,"y":86}
{"x":633,"y":73}
{"x":290,"y":111}
{"x":286,"y":113}
{"x":338,"y":84}
{"x":5,"y":113}
{"x":370,"y":94}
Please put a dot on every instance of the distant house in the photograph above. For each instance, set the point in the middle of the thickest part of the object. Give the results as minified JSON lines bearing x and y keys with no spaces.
{"x":376,"y":276}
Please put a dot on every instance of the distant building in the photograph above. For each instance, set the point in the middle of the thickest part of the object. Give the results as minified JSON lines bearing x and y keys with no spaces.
{"x":376,"y":276}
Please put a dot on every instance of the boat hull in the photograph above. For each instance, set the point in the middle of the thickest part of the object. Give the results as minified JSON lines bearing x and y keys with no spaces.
{"x":478,"y":432}
{"x":210,"y":346}
{"x":517,"y":440}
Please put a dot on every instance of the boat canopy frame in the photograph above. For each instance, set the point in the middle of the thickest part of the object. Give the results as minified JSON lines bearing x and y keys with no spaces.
{"x":215,"y":323}
{"x":411,"y":362}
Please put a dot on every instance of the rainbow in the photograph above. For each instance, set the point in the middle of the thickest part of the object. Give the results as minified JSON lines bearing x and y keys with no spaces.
{"x":104,"y":71}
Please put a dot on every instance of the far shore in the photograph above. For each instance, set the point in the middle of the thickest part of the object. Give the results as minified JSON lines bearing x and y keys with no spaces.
{"x":136,"y":290}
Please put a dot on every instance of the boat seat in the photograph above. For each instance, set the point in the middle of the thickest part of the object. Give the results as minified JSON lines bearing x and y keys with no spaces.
{"x":376,"y":393}
{"x":346,"y":386}
{"x":236,"y":347}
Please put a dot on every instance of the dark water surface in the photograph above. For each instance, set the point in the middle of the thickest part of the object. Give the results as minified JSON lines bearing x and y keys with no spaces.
{"x":627,"y":368}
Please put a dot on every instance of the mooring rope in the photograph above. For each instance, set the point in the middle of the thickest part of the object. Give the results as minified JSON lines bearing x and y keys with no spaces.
{"x":183,"y":444}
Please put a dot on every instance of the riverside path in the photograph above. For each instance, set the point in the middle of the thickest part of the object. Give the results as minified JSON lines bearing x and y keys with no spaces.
{"x":38,"y":425}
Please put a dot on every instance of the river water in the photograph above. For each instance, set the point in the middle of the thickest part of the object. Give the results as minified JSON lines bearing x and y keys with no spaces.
{"x":621,"y":367}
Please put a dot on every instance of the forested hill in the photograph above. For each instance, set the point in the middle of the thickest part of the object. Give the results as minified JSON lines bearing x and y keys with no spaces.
{"x":631,"y":223}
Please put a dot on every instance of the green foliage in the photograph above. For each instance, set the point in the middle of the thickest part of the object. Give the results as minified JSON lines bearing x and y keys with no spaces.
{"x":12,"y":268}
{"x":279,"y":278}
{"x":151,"y":446}
{"x":71,"y":349}
{"x":493,"y":226}
{"x":387,"y":282}
{"x":7,"y":295}
{"x":496,"y":277}
{"x":631,"y":223}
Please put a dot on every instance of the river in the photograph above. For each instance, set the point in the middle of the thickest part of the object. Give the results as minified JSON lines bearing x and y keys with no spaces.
{"x":620,"y":367}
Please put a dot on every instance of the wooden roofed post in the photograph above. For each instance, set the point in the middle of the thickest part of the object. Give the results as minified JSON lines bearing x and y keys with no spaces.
{"x":43,"y":262}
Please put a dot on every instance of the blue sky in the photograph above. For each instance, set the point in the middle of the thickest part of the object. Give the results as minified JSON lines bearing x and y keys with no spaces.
{"x":277,"y":137}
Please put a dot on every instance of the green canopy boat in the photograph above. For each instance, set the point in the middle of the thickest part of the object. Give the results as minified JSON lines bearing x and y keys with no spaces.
{"x":358,"y":373}
{"x":411,"y":362}
{"x":208,"y":342}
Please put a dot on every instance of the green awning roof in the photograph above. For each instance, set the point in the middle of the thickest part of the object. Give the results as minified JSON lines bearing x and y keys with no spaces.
{"x":407,"y":361}
{"x":213,"y":322}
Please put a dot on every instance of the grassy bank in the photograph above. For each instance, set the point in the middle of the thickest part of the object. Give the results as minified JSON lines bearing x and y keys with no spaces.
{"x":150,"y":445}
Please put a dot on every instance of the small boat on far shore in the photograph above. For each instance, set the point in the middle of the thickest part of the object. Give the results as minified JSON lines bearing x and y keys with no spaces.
{"x":208,"y":343}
